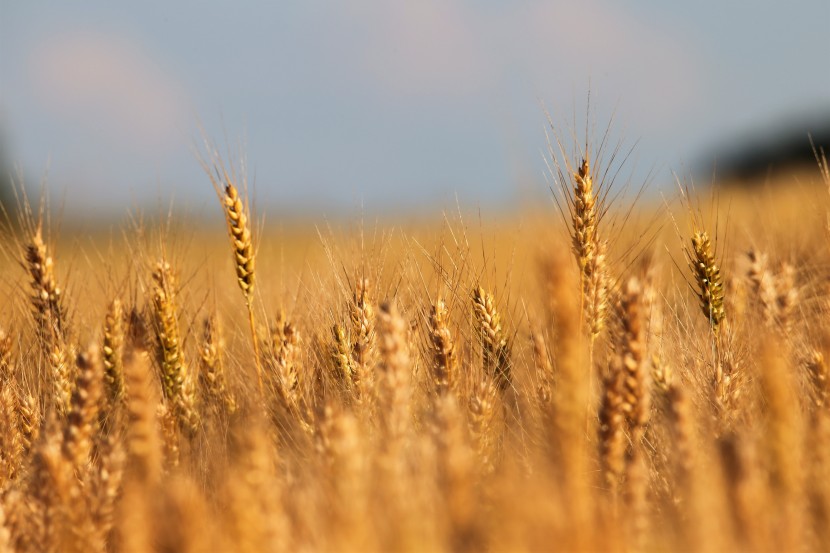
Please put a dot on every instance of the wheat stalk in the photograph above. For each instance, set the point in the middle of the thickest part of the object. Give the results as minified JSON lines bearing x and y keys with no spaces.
{"x":242,"y":245}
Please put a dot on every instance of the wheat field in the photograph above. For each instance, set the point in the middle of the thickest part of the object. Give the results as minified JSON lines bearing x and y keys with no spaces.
{"x":592,"y":375}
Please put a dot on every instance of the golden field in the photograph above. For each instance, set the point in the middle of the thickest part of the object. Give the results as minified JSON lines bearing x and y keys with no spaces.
{"x":600,"y":377}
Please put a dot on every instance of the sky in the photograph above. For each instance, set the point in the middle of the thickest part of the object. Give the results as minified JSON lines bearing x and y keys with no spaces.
{"x":372,"y":106}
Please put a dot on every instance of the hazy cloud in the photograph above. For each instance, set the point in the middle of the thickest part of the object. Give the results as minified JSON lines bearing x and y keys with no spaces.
{"x":460,"y":48}
{"x":429,"y":47}
{"x":106,"y":85}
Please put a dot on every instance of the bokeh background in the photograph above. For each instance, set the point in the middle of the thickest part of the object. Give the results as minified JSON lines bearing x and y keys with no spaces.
{"x":367,"y":106}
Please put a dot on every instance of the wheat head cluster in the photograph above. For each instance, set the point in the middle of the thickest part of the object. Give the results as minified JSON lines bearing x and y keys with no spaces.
{"x":416,"y":395}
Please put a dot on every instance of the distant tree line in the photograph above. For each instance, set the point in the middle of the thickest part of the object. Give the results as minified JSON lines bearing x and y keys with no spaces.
{"x":749,"y":161}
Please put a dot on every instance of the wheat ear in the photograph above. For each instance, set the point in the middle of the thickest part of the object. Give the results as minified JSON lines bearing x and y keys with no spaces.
{"x":630,"y":356}
{"x":78,"y":433}
{"x":213,"y":367}
{"x":444,"y":357}
{"x":244,"y":255}
{"x":494,"y":340}
{"x":362,"y":314}
{"x":612,"y":420}
{"x":589,"y":249}
{"x":177,"y":387}
{"x":341,"y":356}
{"x":142,"y":434}
{"x":395,"y":386}
{"x":285,"y":347}
{"x":113,"y":350}
{"x":708,"y":279}
{"x":50,"y":318}
{"x":819,"y":381}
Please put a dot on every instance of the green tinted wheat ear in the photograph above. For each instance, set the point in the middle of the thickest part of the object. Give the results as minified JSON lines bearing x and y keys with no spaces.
{"x":707,"y":278}
{"x":494,"y":341}
{"x":242,"y":244}
{"x":589,"y":249}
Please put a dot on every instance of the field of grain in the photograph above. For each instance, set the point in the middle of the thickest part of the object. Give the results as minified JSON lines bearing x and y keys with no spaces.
{"x":593,"y":375}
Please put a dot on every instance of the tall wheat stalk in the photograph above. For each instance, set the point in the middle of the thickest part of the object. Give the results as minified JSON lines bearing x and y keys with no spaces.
{"x":242,"y":245}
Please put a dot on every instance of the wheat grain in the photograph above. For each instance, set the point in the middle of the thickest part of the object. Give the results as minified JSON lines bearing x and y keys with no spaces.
{"x":589,"y":248}
{"x":495,"y":345}
{"x":113,"y":350}
{"x":78,"y":433}
{"x":445,"y":360}
{"x":707,"y":278}
{"x":177,"y":385}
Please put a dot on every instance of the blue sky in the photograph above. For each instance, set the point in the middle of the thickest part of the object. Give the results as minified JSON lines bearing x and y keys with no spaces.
{"x":373,"y":105}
